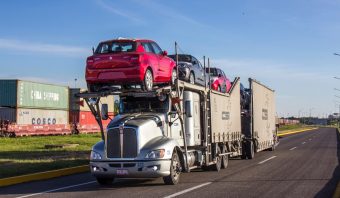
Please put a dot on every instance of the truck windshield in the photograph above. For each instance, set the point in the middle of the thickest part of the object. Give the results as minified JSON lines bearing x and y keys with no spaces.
{"x":116,"y":47}
{"x":130,"y":104}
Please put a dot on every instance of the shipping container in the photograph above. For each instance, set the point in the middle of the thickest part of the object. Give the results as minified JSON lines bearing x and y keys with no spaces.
{"x":22,"y":116}
{"x":26,"y":94}
{"x":77,"y":104}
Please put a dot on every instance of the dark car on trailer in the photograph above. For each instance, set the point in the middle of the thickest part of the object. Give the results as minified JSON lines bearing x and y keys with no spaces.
{"x":189,"y":68}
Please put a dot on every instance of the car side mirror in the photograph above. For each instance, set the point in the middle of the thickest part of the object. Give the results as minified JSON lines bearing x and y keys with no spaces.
{"x":165,"y":53}
{"x":194,"y":62}
{"x":188,"y":109}
{"x":92,"y":50}
{"x":219,"y":75}
{"x":105,"y":112}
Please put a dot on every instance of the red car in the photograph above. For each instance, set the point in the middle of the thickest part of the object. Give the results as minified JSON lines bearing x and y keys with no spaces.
{"x":219,"y":80}
{"x":129,"y":62}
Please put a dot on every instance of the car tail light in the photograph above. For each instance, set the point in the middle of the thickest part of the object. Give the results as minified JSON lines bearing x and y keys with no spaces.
{"x":90,"y":61}
{"x":136,"y":59}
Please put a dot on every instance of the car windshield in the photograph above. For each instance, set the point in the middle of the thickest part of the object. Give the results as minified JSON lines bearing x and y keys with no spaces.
{"x":130,"y":104}
{"x":116,"y":47}
{"x":181,"y":58}
{"x":213,"y":71}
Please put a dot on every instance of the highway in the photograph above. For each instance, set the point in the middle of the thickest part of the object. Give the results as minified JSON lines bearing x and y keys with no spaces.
{"x":303,"y":165}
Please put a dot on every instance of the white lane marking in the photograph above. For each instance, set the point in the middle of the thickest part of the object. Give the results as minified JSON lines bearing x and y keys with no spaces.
{"x":267,"y":159}
{"x":292,"y":148}
{"x":303,"y":142}
{"x":187,"y":190}
{"x":57,"y":189}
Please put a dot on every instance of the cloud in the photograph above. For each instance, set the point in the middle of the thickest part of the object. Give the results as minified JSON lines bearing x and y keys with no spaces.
{"x":168,"y":12}
{"x":18,"y":45}
{"x":122,"y":13}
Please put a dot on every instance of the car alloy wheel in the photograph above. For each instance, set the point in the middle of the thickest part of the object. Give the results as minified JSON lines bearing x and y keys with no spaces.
{"x":192,"y":78}
{"x":148,"y":80}
{"x":173,"y":75}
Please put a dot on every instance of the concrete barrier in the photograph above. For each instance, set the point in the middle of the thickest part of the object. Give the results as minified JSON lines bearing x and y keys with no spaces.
{"x":43,"y":175}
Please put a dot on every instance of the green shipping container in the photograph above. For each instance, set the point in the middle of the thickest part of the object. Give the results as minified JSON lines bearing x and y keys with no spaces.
{"x":26,"y":94}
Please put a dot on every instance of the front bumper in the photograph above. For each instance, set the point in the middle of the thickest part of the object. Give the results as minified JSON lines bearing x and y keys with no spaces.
{"x":131,"y":169}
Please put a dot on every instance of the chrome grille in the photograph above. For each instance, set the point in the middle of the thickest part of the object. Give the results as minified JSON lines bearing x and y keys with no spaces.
{"x":128,"y":148}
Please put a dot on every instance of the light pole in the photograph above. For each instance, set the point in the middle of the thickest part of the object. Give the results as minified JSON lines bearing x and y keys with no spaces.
{"x":75,"y":83}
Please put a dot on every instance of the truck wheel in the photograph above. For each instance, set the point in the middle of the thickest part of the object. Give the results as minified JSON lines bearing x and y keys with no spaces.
{"x":148,"y":80}
{"x":205,"y":168}
{"x":104,"y":181}
{"x":250,"y":149}
{"x":175,"y":170}
{"x":225,"y":158}
{"x":217,"y":166}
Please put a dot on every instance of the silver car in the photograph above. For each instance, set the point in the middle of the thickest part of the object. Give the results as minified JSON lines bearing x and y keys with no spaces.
{"x":189,"y":68}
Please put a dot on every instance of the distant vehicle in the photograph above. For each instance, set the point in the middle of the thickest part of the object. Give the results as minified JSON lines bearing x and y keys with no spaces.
{"x":190,"y":69}
{"x":129,"y":62}
{"x":218,"y":80}
{"x":245,"y":97}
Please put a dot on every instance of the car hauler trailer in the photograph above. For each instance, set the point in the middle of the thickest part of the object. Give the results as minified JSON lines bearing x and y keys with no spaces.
{"x":177,"y":128}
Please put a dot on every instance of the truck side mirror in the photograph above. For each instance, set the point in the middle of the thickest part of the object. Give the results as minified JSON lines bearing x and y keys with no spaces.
{"x":116,"y":108}
{"x":105,"y":112}
{"x":188,"y":109}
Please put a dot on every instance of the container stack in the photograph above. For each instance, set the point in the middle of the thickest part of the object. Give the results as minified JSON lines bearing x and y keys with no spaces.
{"x":80,"y":117}
{"x":34,"y":108}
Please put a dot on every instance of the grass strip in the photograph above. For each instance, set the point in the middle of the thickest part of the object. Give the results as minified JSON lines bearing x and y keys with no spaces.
{"x":25,"y":155}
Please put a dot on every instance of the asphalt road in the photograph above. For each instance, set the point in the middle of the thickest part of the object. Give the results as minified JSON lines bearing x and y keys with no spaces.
{"x":303,"y":165}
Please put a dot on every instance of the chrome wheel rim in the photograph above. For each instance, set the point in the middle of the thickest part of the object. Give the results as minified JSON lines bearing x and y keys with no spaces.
{"x":176,"y":167}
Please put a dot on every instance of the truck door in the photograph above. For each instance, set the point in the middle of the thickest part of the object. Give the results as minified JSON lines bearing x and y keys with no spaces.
{"x":175,"y":128}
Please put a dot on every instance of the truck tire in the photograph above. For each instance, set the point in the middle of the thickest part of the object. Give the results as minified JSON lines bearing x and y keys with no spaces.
{"x":175,"y":170}
{"x":250,"y":149}
{"x":243,"y":155}
{"x":104,"y":181}
{"x":225,"y":158}
{"x":217,"y":166}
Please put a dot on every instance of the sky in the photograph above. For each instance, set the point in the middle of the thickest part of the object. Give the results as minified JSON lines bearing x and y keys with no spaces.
{"x":288,"y":45}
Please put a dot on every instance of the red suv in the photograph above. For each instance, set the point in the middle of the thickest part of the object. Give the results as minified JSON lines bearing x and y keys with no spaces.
{"x":129,"y":62}
{"x":219,"y":80}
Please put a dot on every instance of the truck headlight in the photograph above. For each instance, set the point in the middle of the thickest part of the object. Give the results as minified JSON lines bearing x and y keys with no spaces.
{"x":155,"y":154}
{"x":95,"y":156}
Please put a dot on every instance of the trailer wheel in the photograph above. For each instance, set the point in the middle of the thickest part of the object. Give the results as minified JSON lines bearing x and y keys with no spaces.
{"x":104,"y":181}
{"x":217,"y":166}
{"x":225,"y":158}
{"x":250,"y":149}
{"x":175,"y":170}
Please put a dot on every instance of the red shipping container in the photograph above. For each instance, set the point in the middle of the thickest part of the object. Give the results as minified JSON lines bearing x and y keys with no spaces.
{"x":85,"y":121}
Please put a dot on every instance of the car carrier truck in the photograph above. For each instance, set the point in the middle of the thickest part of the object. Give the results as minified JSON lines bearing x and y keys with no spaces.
{"x":177,"y":128}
